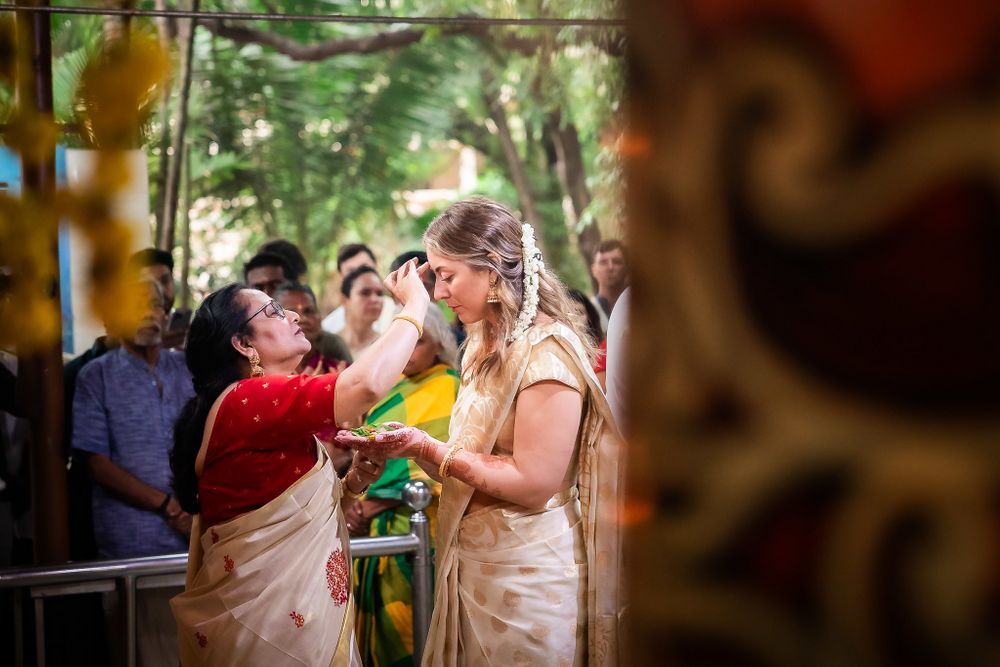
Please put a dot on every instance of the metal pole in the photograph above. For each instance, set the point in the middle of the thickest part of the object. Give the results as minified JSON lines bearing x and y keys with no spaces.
{"x":418,"y":497}
{"x":176,"y":163}
{"x":130,"y":630}
{"x":19,"y":627}
{"x":40,"y":631}
{"x":610,"y":22}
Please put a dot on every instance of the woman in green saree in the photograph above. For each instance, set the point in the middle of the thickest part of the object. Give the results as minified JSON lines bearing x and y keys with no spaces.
{"x":424,"y":398}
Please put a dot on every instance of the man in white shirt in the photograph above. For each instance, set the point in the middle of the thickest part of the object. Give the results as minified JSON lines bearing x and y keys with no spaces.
{"x":349,"y":258}
{"x":618,"y":337}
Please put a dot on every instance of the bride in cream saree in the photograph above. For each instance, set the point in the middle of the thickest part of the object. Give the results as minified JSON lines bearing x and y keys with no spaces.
{"x":518,"y":586}
{"x":272,"y":586}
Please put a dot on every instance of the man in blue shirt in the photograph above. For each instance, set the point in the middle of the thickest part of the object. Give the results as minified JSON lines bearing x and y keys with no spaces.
{"x":124,"y":411}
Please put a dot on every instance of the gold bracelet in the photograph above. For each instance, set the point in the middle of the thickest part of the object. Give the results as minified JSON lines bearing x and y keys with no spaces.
{"x":412,"y":320}
{"x":446,"y":461}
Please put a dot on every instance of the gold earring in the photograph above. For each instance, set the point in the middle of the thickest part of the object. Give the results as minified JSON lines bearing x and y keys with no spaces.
{"x":256,"y":370}
{"x":491,"y":296}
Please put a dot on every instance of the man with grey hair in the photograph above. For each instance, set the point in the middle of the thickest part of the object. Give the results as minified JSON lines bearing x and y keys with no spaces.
{"x":124,"y":411}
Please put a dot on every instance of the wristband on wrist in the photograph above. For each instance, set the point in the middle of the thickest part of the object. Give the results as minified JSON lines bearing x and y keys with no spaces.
{"x":162,"y":509}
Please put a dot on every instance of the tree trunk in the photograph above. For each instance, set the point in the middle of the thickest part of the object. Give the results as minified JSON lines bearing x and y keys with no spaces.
{"x":186,"y":39}
{"x":166,"y":39}
{"x":268,"y":214}
{"x":302,"y":231}
{"x":116,"y":28}
{"x":573,"y":178}
{"x":186,"y":229}
{"x":515,"y":167}
{"x":40,"y":373}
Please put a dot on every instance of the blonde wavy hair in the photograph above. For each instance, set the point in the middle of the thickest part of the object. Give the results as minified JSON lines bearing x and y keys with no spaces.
{"x":486,"y":236}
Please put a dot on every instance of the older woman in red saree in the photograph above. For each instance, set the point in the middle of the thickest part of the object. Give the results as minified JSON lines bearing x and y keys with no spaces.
{"x":269,"y":562}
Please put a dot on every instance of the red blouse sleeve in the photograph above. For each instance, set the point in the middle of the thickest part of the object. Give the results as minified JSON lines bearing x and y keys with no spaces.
{"x":296,"y":405}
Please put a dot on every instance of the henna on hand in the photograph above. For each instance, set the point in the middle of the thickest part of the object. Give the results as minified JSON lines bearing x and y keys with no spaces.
{"x":385,"y":445}
{"x":427,"y":450}
{"x":459,"y":468}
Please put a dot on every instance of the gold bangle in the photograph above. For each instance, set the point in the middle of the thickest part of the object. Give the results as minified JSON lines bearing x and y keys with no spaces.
{"x":355,"y":496}
{"x":361,"y":495}
{"x":412,"y":320}
{"x":443,"y":469}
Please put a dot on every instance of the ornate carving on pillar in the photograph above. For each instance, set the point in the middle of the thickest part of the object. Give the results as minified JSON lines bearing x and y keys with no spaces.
{"x":815,"y":219}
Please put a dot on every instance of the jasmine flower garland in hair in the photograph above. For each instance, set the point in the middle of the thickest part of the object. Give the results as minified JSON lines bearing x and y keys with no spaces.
{"x":531,"y":260}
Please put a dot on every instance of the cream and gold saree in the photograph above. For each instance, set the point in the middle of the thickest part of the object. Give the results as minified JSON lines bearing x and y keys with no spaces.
{"x":520,"y":586}
{"x":272,"y":587}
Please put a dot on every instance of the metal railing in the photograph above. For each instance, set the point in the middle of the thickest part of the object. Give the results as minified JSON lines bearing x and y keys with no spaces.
{"x":132,"y":574}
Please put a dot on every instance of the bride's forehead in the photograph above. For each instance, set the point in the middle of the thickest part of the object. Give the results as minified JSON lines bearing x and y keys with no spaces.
{"x":441,"y":262}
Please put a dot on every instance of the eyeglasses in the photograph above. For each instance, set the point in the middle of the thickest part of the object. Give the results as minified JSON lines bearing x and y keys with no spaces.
{"x":276,"y":312}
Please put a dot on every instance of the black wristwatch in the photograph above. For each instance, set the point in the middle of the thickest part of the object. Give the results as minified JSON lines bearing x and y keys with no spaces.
{"x":162,"y":509}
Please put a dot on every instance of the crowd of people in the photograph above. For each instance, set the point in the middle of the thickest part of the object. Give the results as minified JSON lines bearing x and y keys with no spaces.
{"x":222,"y":433}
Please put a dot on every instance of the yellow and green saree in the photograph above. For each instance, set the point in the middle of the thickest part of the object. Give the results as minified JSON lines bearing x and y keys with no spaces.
{"x":383,"y":590}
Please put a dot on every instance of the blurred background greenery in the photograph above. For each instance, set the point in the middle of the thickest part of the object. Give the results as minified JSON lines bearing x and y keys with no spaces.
{"x":327,"y":133}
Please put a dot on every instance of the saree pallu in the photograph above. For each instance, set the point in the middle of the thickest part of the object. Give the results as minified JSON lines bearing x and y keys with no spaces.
{"x":521,"y":593}
{"x":272,"y":586}
{"x":480,"y":410}
{"x":384,"y":589}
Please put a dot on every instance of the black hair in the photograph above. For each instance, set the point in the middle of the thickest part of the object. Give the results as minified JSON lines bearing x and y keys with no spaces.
{"x":214,"y":364}
{"x":151,"y":257}
{"x":289,"y":252}
{"x":350,"y":250}
{"x":351,"y":278}
{"x":593,"y":319}
{"x":418,"y":255}
{"x":295,"y":287}
{"x":267,"y":259}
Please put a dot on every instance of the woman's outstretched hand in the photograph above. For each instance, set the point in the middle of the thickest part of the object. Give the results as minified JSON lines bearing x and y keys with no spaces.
{"x":401,"y":442}
{"x":405,"y":284}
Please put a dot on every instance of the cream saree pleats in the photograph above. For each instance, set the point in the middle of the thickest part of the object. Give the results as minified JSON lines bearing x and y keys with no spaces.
{"x":272,"y":587}
{"x":521,"y":586}
{"x":530,"y":587}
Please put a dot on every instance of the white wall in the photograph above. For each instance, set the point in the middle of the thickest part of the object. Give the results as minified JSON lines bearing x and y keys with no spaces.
{"x":130,"y":205}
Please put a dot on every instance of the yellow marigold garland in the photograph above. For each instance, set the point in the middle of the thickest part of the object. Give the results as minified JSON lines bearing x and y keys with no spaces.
{"x":116,"y":96}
